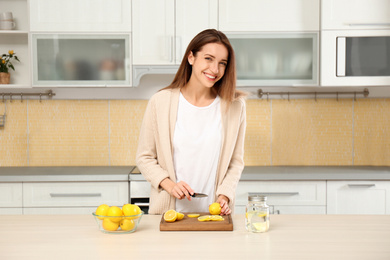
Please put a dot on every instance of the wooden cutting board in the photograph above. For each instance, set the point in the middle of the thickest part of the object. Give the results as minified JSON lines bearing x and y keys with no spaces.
{"x":193,"y":224}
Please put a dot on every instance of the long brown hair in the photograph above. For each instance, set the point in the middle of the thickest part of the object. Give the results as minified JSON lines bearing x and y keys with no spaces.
{"x":226,"y":86}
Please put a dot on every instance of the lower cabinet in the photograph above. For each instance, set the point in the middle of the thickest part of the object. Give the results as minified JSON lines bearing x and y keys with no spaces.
{"x":285,"y":197}
{"x":11,"y":199}
{"x":61,"y":197}
{"x":358,"y":197}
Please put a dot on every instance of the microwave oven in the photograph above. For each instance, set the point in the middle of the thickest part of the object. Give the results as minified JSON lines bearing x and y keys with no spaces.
{"x":355,"y":58}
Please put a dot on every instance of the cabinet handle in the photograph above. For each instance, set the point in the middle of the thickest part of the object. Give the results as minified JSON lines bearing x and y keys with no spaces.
{"x":361,"y":185}
{"x":369,"y":24}
{"x":67,"y":195}
{"x":171,"y":49}
{"x":273,"y":193}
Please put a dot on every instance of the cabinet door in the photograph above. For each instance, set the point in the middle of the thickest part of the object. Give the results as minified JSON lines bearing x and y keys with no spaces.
{"x":358,"y":197}
{"x":284,"y":193}
{"x":80,"y":15}
{"x":11,"y":195}
{"x":355,"y":14}
{"x":153,"y":32}
{"x":265,"y":15}
{"x":193,"y":17}
{"x":71,"y":194}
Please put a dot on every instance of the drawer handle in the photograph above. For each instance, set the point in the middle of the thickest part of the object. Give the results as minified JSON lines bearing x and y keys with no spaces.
{"x":273,"y":193}
{"x":67,"y":195}
{"x":369,"y":24}
{"x":361,"y":185}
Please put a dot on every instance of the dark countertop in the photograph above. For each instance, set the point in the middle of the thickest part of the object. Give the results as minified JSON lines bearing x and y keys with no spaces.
{"x":250,"y":173}
{"x":65,"y":173}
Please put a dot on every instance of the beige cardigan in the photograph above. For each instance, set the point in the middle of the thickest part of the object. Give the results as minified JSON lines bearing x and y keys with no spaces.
{"x":155,"y":155}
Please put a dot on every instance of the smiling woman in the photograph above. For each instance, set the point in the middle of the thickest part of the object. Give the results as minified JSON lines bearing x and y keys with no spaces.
{"x":186,"y":144}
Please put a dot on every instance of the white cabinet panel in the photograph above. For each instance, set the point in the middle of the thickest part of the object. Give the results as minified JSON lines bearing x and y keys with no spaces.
{"x":11,"y":211}
{"x":80,"y":15}
{"x":60,"y":211}
{"x":358,"y":197}
{"x":71,"y":194}
{"x":288,"y":209}
{"x":163,"y":29}
{"x":11,"y":195}
{"x":286,"y":193}
{"x":265,"y":15}
{"x":153,"y":32}
{"x":355,"y":14}
{"x":193,"y":17}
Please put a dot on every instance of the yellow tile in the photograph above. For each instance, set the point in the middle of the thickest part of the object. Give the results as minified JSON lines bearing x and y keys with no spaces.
{"x":309,"y":132}
{"x":258,"y":133}
{"x":372,"y":132}
{"x":68,"y":133}
{"x":13,"y":136}
{"x":125,"y":123}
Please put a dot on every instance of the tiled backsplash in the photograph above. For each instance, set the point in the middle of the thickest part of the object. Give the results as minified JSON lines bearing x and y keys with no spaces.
{"x":279,"y":132}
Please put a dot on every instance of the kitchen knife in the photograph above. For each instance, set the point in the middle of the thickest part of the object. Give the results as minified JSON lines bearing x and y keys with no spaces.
{"x":199,"y":195}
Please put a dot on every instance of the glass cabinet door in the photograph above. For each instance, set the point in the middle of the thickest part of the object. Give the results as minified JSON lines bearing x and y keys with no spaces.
{"x":81,"y":60}
{"x":276,"y":59}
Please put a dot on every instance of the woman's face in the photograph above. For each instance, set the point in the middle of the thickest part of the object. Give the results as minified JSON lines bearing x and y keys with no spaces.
{"x":208,"y":64}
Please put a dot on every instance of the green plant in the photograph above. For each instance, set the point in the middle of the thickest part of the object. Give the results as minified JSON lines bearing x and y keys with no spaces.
{"x":5,"y":61}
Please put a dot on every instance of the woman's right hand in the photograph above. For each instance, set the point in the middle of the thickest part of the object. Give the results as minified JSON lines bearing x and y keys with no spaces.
{"x":182,"y":190}
{"x":178,"y":190}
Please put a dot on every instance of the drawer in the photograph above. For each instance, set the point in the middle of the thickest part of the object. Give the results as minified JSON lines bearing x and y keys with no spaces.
{"x":139,"y":189}
{"x":306,"y":210}
{"x":72,"y":194}
{"x":283,"y":192}
{"x":11,"y":195}
{"x":59,"y":211}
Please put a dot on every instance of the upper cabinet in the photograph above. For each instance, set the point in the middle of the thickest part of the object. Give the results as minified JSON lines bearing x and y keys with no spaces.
{"x":163,"y":29}
{"x":355,"y":14}
{"x":266,"y":15}
{"x":80,"y":15}
{"x":17,"y":40}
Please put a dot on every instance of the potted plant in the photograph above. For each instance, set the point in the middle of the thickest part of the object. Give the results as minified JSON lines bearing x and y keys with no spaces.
{"x":5,"y":64}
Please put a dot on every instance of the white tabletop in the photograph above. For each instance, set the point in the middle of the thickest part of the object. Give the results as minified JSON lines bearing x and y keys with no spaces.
{"x":289,"y":237}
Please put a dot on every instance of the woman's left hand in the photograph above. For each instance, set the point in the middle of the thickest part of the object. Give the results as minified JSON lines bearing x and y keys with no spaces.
{"x":224,"y":202}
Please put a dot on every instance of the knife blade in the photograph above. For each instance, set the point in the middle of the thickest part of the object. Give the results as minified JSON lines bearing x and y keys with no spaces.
{"x":199,"y":195}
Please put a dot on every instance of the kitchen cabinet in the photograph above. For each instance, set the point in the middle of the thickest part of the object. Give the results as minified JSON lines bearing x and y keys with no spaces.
{"x":358,"y":197}
{"x":72,"y":197}
{"x":18,"y":41}
{"x":80,"y":15}
{"x":265,"y":15}
{"x":285,"y":197}
{"x":81,"y":59}
{"x":11,"y":201}
{"x":163,"y":29}
{"x":276,"y":59}
{"x":355,"y":14}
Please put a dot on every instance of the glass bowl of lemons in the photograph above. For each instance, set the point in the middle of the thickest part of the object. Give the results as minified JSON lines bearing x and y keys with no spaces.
{"x":116,"y":220}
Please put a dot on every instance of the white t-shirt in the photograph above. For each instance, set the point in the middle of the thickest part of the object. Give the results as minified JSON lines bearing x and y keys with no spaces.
{"x":196,"y":147}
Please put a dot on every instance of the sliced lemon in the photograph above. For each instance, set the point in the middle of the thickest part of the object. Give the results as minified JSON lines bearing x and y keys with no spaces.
{"x":261,"y":227}
{"x":216,"y":218}
{"x":180,"y":216}
{"x":170,"y":215}
{"x":193,"y":215}
{"x":204,"y":218}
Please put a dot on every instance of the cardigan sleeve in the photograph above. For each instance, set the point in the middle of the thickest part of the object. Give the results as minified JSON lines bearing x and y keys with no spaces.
{"x":146,"y":157}
{"x":236,"y":164}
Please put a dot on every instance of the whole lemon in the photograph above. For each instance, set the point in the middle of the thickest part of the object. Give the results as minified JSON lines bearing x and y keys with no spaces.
{"x":131,"y":209}
{"x":115,"y":211}
{"x":127,"y":224}
{"x":110,"y":225}
{"x":215,"y":208}
{"x":102,"y":210}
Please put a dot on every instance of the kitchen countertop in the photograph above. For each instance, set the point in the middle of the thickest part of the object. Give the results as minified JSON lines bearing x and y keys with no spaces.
{"x":290,"y":237}
{"x":250,"y":173}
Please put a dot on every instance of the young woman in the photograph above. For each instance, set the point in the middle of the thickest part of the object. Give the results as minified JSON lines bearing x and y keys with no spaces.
{"x":192,"y":135}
